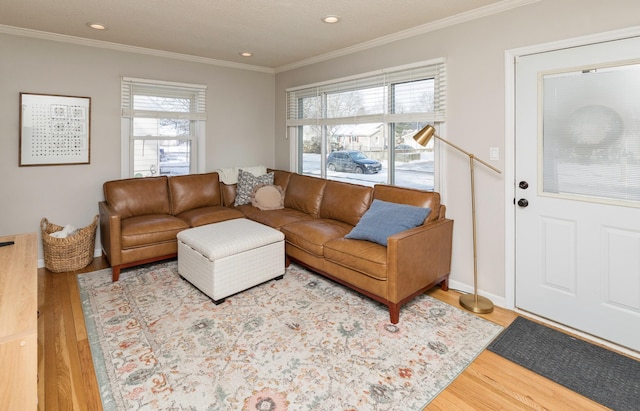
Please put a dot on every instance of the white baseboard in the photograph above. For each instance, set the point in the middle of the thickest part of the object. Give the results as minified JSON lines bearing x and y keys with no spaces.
{"x":466,"y":288}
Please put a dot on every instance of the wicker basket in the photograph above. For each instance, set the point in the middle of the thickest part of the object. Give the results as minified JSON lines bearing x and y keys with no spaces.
{"x":71,"y":253}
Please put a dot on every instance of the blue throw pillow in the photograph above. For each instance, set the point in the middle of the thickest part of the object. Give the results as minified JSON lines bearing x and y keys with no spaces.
{"x":384,"y":219}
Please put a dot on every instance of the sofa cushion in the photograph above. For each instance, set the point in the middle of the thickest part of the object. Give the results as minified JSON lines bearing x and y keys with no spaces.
{"x":277,"y":218}
{"x":362,"y":256}
{"x":138,"y":196}
{"x":209,"y":215}
{"x":311,"y":235}
{"x":246,"y":183}
{"x":150,"y":229}
{"x":384,"y":219}
{"x":194,"y":191}
{"x":345,"y":202}
{"x":247,"y":210}
{"x":304,"y":193}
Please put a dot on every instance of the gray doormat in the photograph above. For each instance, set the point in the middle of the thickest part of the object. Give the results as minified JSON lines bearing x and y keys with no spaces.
{"x":604,"y":376}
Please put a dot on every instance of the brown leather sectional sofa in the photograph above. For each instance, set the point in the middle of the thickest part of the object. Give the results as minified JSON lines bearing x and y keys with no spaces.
{"x":139,"y":220}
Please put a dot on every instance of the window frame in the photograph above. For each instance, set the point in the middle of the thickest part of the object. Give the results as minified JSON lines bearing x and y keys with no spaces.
{"x":388,"y":79}
{"x":197,"y":114}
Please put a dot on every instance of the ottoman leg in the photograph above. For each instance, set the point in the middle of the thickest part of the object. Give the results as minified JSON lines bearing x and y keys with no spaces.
{"x":280,"y":277}
{"x":220,"y":301}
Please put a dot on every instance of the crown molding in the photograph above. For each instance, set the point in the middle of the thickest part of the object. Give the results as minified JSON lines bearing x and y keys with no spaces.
{"x":43,"y":35}
{"x":415,"y":31}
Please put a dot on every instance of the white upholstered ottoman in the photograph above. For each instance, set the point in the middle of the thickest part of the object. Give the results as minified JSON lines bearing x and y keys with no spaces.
{"x":225,"y":258}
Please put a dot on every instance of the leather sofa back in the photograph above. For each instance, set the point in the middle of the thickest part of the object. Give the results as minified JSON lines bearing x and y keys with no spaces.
{"x":228,"y":192}
{"x":345,"y":202}
{"x":304,"y":193}
{"x":191,"y":191}
{"x":281,"y":178}
{"x":410,"y":196}
{"x":138,"y":196}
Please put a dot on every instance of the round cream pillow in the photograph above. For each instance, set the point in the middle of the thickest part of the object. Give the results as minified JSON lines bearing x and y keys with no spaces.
{"x":267,"y":197}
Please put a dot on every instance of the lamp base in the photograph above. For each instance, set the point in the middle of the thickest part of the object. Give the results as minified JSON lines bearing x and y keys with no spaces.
{"x":476,"y":303}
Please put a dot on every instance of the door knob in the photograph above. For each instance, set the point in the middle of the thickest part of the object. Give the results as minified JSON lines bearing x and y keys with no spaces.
{"x":523,"y":185}
{"x":523,"y":202}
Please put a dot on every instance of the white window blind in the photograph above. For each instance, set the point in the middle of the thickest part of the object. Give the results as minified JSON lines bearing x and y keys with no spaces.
{"x":415,"y":93}
{"x":192,"y":96}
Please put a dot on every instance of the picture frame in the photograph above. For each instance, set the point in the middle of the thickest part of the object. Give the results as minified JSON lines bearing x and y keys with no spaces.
{"x":54,"y":129}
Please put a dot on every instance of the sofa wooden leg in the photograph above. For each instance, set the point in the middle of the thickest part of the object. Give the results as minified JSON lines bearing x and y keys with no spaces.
{"x":394,"y":313}
{"x":287,"y":261}
{"x":444,"y":285}
{"x":115,"y":273}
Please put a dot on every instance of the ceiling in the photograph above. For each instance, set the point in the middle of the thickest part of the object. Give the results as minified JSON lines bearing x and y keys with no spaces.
{"x":279,"y":33}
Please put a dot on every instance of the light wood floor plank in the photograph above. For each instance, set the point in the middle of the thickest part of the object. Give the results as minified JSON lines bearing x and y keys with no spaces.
{"x":527,"y":386}
{"x":47,"y":341}
{"x":89,"y":382}
{"x":72,"y":343}
{"x":76,"y":308}
{"x":63,"y":369}
{"x":90,"y":386}
{"x":41,"y":330}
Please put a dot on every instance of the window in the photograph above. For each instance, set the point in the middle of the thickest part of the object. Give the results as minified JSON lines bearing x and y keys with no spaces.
{"x":591,"y":134}
{"x":360,"y":129}
{"x":163,"y":127}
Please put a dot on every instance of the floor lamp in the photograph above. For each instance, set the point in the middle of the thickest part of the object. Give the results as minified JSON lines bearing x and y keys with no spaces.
{"x":472,"y":302}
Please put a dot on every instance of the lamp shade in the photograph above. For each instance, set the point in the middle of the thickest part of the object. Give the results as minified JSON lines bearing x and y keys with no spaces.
{"x":423,"y":136}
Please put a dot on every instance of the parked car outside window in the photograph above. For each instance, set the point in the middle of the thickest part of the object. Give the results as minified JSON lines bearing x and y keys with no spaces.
{"x":352,"y":162}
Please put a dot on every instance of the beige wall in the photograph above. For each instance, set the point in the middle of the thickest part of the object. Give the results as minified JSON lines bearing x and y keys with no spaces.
{"x":240,"y":123}
{"x":475,"y":53}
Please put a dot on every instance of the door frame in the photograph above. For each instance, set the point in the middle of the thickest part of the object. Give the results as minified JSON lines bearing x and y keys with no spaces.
{"x":511,"y":56}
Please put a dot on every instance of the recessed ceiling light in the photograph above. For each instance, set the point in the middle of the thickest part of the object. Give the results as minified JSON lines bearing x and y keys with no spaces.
{"x":97,"y":26}
{"x":246,"y":54}
{"x":331,"y":19}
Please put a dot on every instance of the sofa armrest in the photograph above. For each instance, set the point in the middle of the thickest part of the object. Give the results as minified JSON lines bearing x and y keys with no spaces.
{"x":110,"y":235}
{"x":419,"y":258}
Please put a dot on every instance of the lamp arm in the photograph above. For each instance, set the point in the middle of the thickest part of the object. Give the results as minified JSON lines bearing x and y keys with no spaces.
{"x":467,"y":153}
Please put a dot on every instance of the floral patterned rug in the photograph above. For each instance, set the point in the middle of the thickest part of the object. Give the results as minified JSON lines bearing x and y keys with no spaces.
{"x":300,"y":343}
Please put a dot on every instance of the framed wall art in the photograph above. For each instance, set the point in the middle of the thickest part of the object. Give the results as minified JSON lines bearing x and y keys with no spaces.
{"x":54,"y":129}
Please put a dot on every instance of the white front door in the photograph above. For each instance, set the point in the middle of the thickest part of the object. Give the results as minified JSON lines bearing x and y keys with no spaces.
{"x":577,"y":172}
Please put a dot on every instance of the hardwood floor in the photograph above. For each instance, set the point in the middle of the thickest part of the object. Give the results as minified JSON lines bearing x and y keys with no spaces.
{"x":64,"y":360}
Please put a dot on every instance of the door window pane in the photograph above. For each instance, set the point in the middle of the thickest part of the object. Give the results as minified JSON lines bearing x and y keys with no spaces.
{"x":591,"y":134}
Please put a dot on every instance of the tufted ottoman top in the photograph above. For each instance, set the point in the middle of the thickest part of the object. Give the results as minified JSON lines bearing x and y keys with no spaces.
{"x":230,"y":237}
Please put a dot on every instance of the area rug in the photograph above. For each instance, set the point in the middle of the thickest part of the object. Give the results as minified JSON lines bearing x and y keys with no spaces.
{"x":300,"y":343}
{"x":604,"y":376}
